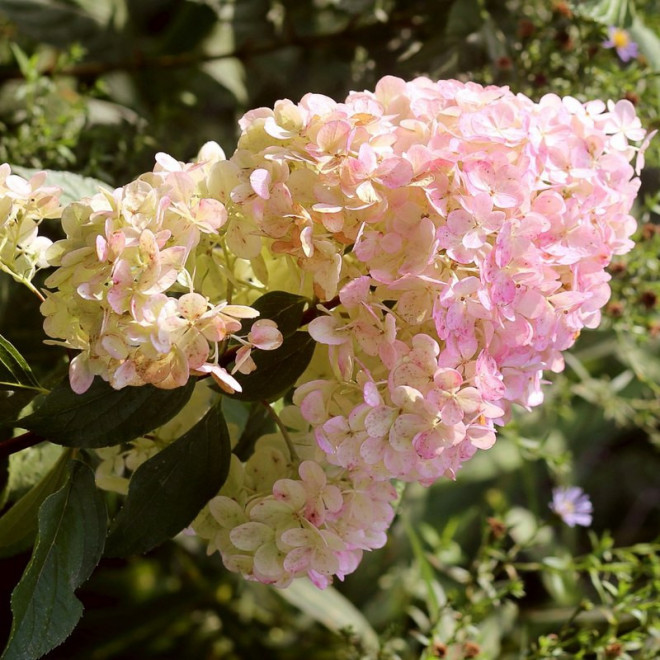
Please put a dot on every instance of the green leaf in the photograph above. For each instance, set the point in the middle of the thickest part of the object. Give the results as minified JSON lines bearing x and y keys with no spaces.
{"x":330,"y":608}
{"x":259,"y":422}
{"x":464,"y":18}
{"x":648,"y":42}
{"x":606,"y":12}
{"x":74,"y":186}
{"x":29,"y":466}
{"x":15,"y":372}
{"x":230,"y":73}
{"x":286,"y":309}
{"x":72,"y":527}
{"x":103,"y":416}
{"x":59,"y":23}
{"x":167,"y":491}
{"x":278,"y":370}
{"x":11,"y":404}
{"x":18,"y":526}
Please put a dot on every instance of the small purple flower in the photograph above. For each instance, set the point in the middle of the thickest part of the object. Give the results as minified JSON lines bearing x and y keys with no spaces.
{"x":572,"y":505}
{"x":620,"y":39}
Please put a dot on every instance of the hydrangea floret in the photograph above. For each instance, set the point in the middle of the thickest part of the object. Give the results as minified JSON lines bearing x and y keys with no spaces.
{"x":455,"y":239}
{"x":24,"y":204}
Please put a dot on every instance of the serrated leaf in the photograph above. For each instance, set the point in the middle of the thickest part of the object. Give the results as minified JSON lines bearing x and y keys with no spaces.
{"x":72,"y":527}
{"x":167,"y":491}
{"x":103,"y":416}
{"x":278,"y":370}
{"x":18,"y":526}
{"x":15,"y":372}
{"x":74,"y":186}
{"x":286,"y":309}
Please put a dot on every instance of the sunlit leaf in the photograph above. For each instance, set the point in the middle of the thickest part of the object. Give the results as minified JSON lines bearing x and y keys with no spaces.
{"x":15,"y":372}
{"x":18,"y":526}
{"x":74,"y":186}
{"x":331,"y":609}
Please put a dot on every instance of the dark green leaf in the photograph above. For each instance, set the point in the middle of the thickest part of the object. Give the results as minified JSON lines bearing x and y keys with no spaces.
{"x":259,"y":422}
{"x":168,"y":491}
{"x":18,"y":526}
{"x":277,"y":371}
{"x":72,"y":527}
{"x":59,"y":23}
{"x":11,"y":404}
{"x":464,"y":19}
{"x":15,"y":372}
{"x":103,"y":416}
{"x":285,"y":309}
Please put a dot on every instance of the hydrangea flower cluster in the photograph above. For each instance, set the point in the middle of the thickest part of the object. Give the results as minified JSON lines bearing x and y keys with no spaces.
{"x":458,"y":235}
{"x":286,"y":513}
{"x":465,"y":231}
{"x":23,"y":205}
{"x":124,"y":288}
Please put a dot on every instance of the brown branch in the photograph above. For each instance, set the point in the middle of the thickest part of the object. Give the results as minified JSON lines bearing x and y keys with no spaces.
{"x":140,"y":62}
{"x":20,"y":442}
{"x":353,"y":32}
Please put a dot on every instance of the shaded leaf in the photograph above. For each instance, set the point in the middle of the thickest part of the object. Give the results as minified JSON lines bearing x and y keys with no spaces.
{"x":286,"y":309}
{"x":72,"y":527}
{"x":259,"y":422}
{"x":167,"y":491}
{"x":61,"y":23}
{"x":15,"y":372}
{"x":277,"y":371}
{"x":18,"y":526}
{"x":103,"y":416}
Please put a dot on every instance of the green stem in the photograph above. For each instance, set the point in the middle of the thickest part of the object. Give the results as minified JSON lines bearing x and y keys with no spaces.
{"x":285,"y":434}
{"x":21,"y":280}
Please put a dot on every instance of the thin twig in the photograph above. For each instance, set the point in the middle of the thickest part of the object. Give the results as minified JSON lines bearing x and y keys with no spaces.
{"x":20,"y":442}
{"x":140,"y":62}
{"x":283,"y":430}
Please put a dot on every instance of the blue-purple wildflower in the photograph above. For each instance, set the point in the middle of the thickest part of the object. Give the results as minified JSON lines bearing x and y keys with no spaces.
{"x":572,"y":505}
{"x":620,"y":40}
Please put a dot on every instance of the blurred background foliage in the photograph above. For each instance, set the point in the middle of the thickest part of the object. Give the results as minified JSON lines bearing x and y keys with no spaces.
{"x":476,"y":568}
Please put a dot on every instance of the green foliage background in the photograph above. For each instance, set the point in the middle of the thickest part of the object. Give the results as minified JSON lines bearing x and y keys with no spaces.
{"x":478,"y":566}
